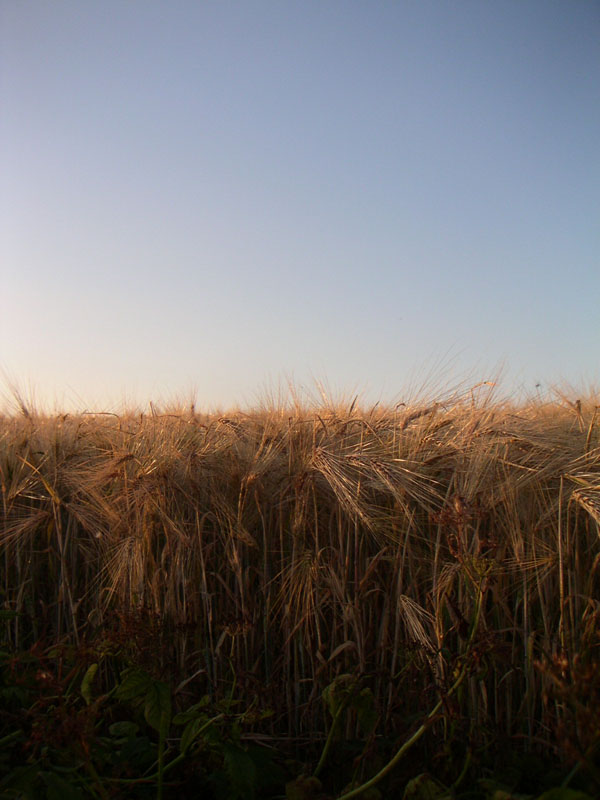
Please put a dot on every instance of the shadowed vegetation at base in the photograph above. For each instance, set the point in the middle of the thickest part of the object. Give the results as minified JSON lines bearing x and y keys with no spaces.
{"x":279,"y":549}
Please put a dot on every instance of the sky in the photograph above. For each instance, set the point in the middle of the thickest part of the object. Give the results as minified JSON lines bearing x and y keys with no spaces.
{"x":219,"y":197}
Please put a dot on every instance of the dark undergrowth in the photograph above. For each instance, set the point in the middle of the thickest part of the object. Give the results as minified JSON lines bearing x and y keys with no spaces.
{"x":101,"y":720}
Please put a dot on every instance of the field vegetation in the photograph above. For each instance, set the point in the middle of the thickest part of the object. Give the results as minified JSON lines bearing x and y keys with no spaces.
{"x":303,"y":600}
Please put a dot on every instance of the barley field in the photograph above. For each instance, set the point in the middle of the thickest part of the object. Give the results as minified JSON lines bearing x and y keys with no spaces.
{"x":445,"y":554}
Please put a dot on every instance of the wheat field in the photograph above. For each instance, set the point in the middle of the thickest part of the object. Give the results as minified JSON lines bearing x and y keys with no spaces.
{"x":284,"y":546}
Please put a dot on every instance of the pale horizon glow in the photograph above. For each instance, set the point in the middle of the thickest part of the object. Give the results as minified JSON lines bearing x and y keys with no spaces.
{"x":212,"y":199}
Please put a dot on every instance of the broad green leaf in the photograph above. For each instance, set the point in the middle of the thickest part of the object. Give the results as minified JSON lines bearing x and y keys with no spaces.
{"x":123,"y":729}
{"x":364,"y":705}
{"x":269,"y":774}
{"x":20,"y":782}
{"x":193,"y":712}
{"x":338,"y":693}
{"x":561,"y":793}
{"x":228,"y":704}
{"x":59,"y":789}
{"x":139,"y":752}
{"x":241,"y":772}
{"x":191,"y":731}
{"x":157,"y":706}
{"x":86,"y":683}
{"x":134,"y":684}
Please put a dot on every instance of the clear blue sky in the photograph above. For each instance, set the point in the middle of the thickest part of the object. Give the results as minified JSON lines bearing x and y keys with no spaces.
{"x":223,"y":194}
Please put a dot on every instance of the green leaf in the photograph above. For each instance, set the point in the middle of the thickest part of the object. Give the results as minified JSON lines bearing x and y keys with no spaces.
{"x":134,"y":684}
{"x":364,"y":705}
{"x":190,"y":732}
{"x":193,"y":712}
{"x":138,"y":752}
{"x":338,"y":693}
{"x":228,"y":705}
{"x":269,"y":774}
{"x":59,"y":789}
{"x":123,"y":729}
{"x":20,"y":782}
{"x":241,"y":771}
{"x":86,"y":683}
{"x":157,"y":706}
